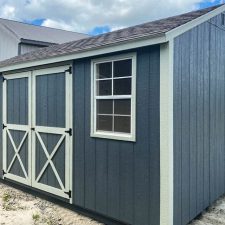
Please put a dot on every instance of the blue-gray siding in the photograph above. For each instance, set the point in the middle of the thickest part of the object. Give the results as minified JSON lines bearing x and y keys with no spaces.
{"x":199,"y":122}
{"x":116,"y":178}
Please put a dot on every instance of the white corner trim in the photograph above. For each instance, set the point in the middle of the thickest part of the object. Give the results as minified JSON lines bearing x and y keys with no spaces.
{"x":136,"y":43}
{"x":185,"y":27}
{"x":166,"y":133}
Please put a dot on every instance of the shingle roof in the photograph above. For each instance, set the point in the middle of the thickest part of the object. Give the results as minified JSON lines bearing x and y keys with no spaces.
{"x":150,"y":29}
{"x":40,"y":33}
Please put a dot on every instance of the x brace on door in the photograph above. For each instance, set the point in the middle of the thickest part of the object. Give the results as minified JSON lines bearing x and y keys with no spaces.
{"x":49,"y":159}
{"x":17,"y":150}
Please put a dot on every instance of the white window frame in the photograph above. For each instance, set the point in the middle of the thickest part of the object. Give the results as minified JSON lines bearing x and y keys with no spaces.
{"x":108,"y":134}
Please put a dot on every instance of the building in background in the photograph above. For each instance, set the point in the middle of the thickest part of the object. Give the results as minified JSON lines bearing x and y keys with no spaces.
{"x":17,"y":38}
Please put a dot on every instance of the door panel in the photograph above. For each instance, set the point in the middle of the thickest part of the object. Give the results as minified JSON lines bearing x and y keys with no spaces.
{"x":16,"y":132}
{"x":50,"y":100}
{"x":51,"y":142}
{"x":37,"y":117}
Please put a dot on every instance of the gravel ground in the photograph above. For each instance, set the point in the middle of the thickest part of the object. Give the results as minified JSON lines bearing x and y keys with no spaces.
{"x":214,"y":215}
{"x":20,"y":208}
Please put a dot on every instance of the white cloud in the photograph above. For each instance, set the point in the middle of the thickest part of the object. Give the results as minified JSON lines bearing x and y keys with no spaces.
{"x":7,"y":12}
{"x":84,"y":15}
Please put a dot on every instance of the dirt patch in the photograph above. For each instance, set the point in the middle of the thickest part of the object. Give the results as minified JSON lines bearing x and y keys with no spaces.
{"x":20,"y":208}
{"x":214,"y":215}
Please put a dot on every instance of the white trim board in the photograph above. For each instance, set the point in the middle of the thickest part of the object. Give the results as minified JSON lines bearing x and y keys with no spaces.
{"x":185,"y":27}
{"x":166,"y":134}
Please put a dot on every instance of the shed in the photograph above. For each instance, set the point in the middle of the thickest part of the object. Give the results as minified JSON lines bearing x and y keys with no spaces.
{"x":128,"y":126}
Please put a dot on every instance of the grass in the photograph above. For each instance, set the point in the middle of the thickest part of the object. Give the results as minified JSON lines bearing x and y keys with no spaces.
{"x":6,"y":205}
{"x":6,"y":197}
{"x":36,"y":217}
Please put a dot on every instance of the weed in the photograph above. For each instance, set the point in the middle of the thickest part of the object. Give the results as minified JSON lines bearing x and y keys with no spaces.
{"x":6,"y":197}
{"x":35,"y":217}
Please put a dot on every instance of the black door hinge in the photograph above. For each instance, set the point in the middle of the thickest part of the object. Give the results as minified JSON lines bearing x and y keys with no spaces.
{"x":70,"y":131}
{"x":3,"y":172}
{"x":3,"y":126}
{"x":69,"y":193}
{"x":3,"y":79}
{"x":32,"y":128}
{"x":69,"y":70}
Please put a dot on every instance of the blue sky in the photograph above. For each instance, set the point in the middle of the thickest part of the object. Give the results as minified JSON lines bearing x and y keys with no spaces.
{"x":205,"y":4}
{"x":96,"y":17}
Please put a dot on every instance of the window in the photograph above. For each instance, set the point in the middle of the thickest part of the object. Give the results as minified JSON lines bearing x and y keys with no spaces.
{"x":113,"y":98}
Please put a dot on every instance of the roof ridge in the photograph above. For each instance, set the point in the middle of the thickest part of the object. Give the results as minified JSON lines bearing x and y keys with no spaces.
{"x":39,"y":26}
{"x":10,"y":30}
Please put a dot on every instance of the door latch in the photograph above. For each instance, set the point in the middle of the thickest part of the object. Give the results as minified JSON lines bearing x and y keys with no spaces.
{"x":69,"y":131}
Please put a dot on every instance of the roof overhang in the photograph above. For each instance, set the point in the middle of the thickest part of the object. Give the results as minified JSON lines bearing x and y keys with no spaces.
{"x":136,"y":43}
{"x":121,"y":46}
{"x":37,"y":43}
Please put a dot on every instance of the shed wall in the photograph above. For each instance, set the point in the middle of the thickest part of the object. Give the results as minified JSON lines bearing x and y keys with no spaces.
{"x":119,"y":179}
{"x":199,"y":126}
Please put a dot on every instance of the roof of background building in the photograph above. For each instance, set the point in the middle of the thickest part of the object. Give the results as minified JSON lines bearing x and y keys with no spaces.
{"x":40,"y":33}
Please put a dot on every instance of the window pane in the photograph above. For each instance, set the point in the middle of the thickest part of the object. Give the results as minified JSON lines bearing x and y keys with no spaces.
{"x":104,"y":87}
{"x":104,"y":123}
{"x":122,"y":68}
{"x":104,"y":106}
{"x":122,"y":86}
{"x":104,"y":70}
{"x":122,"y":124}
{"x":122,"y":107}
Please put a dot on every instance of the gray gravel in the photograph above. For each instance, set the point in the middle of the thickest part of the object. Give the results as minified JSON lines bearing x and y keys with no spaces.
{"x":214,"y":215}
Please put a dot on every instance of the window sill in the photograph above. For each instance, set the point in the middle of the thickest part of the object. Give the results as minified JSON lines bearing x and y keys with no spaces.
{"x":114,"y":136}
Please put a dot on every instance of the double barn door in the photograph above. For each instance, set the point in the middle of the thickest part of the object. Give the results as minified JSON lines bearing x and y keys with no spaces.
{"x":37,"y":134}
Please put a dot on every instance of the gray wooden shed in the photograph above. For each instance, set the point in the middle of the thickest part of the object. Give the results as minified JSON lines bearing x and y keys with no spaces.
{"x":128,"y":125}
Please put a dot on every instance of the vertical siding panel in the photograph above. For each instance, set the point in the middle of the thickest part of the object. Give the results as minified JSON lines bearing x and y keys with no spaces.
{"x":126,"y":182}
{"x":101,"y":175}
{"x":193,"y":123}
{"x":141,"y":156}
{"x":113,"y":193}
{"x":200,"y":174}
{"x":89,"y":145}
{"x":212,"y":116}
{"x":185,"y":132}
{"x":206,"y":115}
{"x":177,"y":134}
{"x":78,"y":124}
{"x":154,"y":140}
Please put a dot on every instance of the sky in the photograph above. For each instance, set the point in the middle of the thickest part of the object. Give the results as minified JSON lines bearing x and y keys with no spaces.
{"x":96,"y":16}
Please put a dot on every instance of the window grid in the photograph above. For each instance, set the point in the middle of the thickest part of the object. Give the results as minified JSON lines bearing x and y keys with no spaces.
{"x":129,"y":136}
